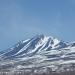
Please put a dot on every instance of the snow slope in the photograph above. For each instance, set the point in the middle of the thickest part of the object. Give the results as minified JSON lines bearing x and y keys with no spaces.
{"x":39,"y":51}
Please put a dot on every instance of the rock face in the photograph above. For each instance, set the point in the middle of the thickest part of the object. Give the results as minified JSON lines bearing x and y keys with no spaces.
{"x":40,"y":54}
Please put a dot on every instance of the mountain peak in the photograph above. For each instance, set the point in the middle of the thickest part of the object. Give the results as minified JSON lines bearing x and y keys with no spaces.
{"x":39,"y":36}
{"x":42,"y":36}
{"x":36,"y":44}
{"x":41,"y":50}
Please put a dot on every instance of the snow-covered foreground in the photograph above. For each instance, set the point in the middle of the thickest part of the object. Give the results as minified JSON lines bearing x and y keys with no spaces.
{"x":40,"y":54}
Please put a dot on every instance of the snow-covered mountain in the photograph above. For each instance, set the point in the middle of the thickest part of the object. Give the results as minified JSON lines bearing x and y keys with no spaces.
{"x":37,"y":44}
{"x":43,"y":52}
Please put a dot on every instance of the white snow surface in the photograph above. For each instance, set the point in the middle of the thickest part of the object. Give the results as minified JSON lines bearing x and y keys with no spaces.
{"x":40,"y":51}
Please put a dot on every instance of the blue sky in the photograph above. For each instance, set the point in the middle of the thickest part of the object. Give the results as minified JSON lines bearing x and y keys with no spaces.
{"x":22,"y":19}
